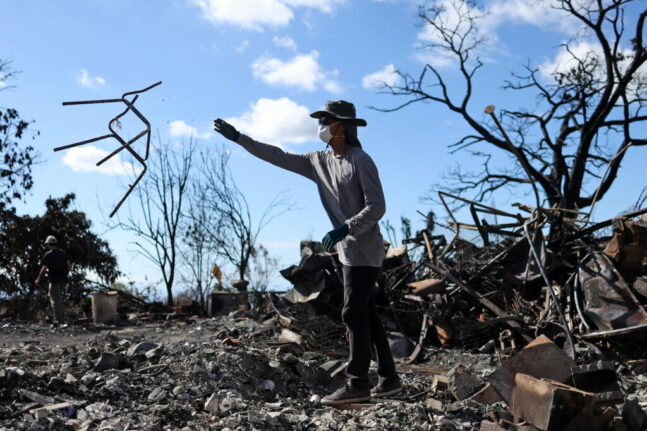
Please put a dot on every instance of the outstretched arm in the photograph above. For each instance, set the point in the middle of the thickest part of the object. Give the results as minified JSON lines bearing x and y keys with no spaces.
{"x":297,"y":163}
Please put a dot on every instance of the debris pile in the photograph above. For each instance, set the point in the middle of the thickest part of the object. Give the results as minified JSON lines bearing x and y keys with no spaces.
{"x":547,"y":283}
{"x":218,"y":373}
{"x":503,"y":286}
{"x":231,"y":372}
{"x":534,"y":324}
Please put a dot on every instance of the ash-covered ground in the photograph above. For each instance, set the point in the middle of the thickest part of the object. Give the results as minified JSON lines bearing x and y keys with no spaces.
{"x":225,"y":373}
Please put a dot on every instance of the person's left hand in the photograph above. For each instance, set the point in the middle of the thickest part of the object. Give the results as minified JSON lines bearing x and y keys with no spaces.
{"x":333,"y":237}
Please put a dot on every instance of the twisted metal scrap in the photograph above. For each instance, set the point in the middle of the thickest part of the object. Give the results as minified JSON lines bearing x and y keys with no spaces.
{"x":125,"y":145}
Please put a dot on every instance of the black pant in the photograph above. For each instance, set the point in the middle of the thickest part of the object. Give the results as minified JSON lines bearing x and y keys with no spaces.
{"x":364,"y":326}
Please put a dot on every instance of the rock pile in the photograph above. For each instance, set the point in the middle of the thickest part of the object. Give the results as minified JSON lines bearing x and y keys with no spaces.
{"x":231,"y":373}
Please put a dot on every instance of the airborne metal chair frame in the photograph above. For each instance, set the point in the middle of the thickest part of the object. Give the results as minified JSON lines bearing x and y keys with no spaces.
{"x":125,"y":145}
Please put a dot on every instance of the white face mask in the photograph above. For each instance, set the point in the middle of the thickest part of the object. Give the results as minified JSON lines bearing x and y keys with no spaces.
{"x":324,"y":133}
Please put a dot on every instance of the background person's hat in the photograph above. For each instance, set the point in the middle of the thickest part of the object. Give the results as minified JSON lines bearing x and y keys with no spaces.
{"x":341,"y":110}
{"x":50,"y":240}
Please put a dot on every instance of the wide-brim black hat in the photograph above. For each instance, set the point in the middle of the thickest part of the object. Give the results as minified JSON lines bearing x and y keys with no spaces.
{"x":341,"y":110}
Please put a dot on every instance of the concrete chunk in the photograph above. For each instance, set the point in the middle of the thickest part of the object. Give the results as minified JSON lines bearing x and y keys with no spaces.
{"x":212,"y":404}
{"x":462,"y":383}
{"x":440,"y":383}
{"x":434,"y":403}
{"x":140,"y":348}
{"x":490,"y":426}
{"x":107,"y":361}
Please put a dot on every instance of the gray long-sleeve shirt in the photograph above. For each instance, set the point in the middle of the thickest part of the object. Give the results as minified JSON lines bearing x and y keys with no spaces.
{"x":350,"y":191}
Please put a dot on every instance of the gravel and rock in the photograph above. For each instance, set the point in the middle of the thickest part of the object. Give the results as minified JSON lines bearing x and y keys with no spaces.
{"x":226,"y":373}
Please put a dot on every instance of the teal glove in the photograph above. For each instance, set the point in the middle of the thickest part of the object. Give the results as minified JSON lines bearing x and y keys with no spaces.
{"x":333,"y":237}
{"x":225,"y":129}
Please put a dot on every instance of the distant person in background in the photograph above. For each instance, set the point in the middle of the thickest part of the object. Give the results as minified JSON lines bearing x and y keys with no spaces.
{"x":58,"y":264}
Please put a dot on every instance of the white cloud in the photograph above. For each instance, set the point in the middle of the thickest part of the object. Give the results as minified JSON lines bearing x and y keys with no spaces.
{"x":179,"y":128}
{"x":537,"y":13}
{"x":250,"y":14}
{"x":243,"y":46}
{"x":285,"y":42}
{"x":326,"y":6}
{"x":566,"y":60}
{"x":379,"y":79}
{"x":436,"y":58}
{"x":303,"y":71}
{"x":90,"y":82}
{"x":85,"y":158}
{"x":451,"y":19}
{"x":277,"y":121}
{"x":256,"y":14}
{"x":498,"y":13}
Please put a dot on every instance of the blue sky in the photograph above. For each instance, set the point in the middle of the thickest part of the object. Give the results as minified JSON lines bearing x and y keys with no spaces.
{"x":264,"y":65}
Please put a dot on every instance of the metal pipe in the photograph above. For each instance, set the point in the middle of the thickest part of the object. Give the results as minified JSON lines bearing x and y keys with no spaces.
{"x":88,"y":102}
{"x":87,"y":141}
{"x":483,"y":207}
{"x":125,"y":145}
{"x":482,"y":299}
{"x":549,"y":285}
{"x":576,"y":299}
{"x":451,"y":243}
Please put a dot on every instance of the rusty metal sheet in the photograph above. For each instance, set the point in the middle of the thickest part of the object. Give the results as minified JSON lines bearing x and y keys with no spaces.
{"x":599,"y":378}
{"x":540,"y":359}
{"x":487,"y":395}
{"x":608,"y":301}
{"x":428,"y":286}
{"x":547,"y":404}
{"x":628,"y":247}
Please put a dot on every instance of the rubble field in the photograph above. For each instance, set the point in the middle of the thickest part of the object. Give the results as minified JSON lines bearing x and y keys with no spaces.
{"x":506,"y":323}
{"x":219,"y":373}
{"x":229,"y":373}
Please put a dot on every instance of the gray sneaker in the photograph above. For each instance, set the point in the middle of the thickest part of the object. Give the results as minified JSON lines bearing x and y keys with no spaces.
{"x":387,"y":387}
{"x":345,"y":395}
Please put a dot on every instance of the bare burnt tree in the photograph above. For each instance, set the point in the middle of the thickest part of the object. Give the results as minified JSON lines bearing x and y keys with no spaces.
{"x":156,"y":209}
{"x":233,"y":230}
{"x":16,"y":160}
{"x":572,"y":143}
{"x":196,"y":252}
{"x":263,"y":269}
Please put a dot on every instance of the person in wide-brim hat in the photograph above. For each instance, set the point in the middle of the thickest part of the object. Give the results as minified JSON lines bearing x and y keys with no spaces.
{"x":341,"y":110}
{"x":344,"y":113}
{"x":351,"y":193}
